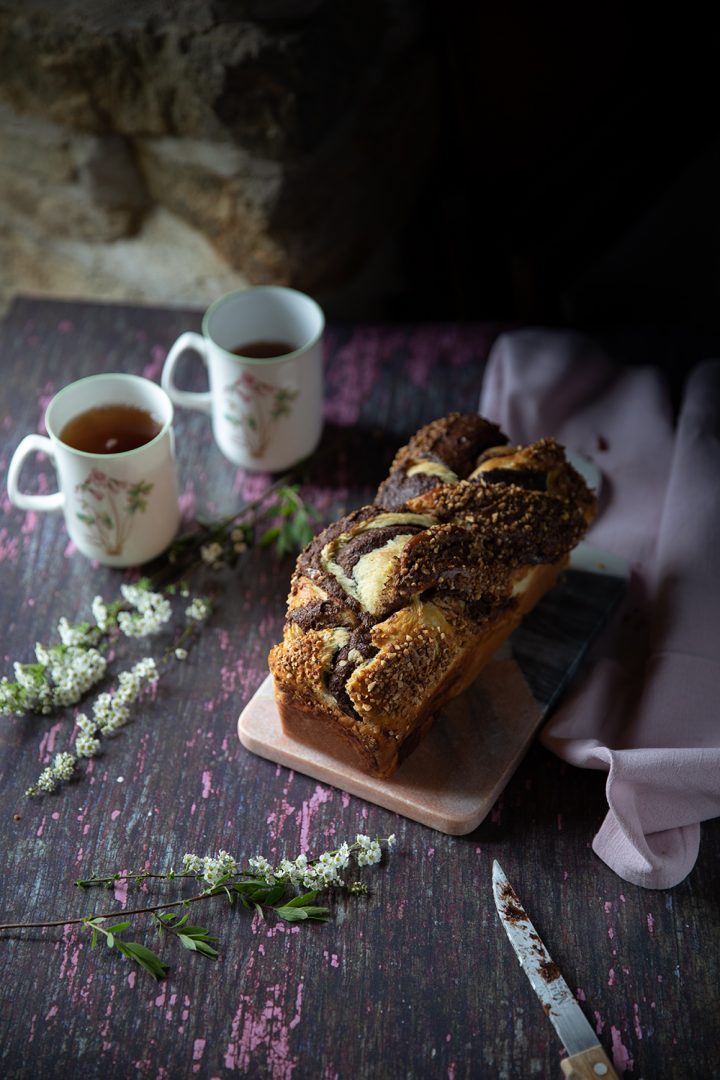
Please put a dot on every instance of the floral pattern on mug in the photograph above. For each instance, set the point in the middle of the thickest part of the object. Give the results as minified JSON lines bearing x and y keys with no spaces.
{"x":108,"y":507}
{"x":254,"y":406}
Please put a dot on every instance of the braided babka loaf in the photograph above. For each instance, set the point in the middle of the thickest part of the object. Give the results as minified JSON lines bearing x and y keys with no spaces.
{"x":395,"y":609}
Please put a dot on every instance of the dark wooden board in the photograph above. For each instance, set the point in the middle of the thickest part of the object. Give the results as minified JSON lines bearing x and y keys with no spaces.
{"x":418,"y":979}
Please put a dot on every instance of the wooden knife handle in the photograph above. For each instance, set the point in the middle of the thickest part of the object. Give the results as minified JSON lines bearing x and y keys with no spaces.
{"x":592,"y":1064}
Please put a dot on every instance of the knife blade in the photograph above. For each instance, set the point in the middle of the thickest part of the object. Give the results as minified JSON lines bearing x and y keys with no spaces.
{"x":586,"y":1059}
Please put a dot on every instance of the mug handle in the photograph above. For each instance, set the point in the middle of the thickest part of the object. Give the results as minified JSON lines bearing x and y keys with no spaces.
{"x":187,"y":398}
{"x":32,"y":444}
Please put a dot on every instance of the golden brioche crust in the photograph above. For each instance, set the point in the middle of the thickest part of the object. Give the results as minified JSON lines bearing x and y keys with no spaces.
{"x":394,"y":611}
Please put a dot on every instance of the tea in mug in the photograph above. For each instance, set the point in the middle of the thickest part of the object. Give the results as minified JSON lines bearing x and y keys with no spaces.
{"x":110,"y":429}
{"x":263,"y":350}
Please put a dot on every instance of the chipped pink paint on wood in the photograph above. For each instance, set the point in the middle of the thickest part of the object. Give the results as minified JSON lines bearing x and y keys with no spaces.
{"x":415,"y":980}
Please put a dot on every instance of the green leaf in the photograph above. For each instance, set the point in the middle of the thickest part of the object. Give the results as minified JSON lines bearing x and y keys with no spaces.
{"x":117,"y":928}
{"x":196,"y":931}
{"x":317,"y":913}
{"x":144,"y":957}
{"x":249,"y":885}
{"x":110,"y":941}
{"x":195,"y":944}
{"x":291,"y":914}
{"x":299,"y":914}
{"x":206,"y":950}
{"x":187,"y":942}
{"x":37,"y":670}
{"x":269,"y":536}
{"x":270,"y":895}
{"x":301,"y":901}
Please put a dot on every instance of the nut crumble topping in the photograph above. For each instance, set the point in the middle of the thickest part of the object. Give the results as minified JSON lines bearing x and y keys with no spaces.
{"x":386,"y":602}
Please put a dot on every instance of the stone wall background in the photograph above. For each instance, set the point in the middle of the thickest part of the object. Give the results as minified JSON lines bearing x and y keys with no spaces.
{"x":398,"y":159}
{"x":168,"y":151}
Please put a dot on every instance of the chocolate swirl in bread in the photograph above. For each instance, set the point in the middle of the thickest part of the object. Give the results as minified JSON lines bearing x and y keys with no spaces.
{"x":441,"y":452}
{"x":395,"y":609}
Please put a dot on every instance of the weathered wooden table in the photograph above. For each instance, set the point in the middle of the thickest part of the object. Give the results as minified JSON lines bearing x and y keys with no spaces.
{"x":415,"y":980}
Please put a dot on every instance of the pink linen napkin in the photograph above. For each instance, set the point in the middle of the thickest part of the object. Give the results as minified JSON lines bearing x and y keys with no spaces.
{"x":646,"y":709}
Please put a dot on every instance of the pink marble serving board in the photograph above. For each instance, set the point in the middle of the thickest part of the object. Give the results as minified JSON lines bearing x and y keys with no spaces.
{"x":451,"y":781}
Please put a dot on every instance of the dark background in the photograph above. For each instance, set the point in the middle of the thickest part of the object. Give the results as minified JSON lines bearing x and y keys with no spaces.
{"x":553,"y":164}
{"x":576,"y":181}
{"x":578,"y":177}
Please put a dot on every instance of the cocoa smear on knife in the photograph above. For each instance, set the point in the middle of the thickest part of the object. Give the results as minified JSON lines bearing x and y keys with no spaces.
{"x":512,"y":908}
{"x":514,"y":912}
{"x":549,"y":970}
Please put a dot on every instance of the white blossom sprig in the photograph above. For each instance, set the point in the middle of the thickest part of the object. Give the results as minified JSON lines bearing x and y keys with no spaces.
{"x":152,"y":610}
{"x":260,"y":887}
{"x":110,"y":712}
{"x":62,"y":675}
{"x":324,"y":872}
{"x":112,"y":709}
{"x":64,"y":672}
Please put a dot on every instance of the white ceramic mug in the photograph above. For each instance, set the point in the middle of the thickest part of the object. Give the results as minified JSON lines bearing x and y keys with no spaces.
{"x":266,"y":411}
{"x":120,"y":509}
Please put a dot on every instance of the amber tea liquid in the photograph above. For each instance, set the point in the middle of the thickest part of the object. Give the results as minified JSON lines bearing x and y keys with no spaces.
{"x":110,"y":429}
{"x":263,"y":350}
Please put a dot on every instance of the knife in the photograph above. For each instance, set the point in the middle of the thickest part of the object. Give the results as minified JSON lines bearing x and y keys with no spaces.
{"x":586,"y":1059}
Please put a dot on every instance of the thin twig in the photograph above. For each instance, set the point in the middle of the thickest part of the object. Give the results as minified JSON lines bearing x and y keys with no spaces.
{"x":107,"y":915}
{"x":132,"y":875}
{"x":176,"y":569}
